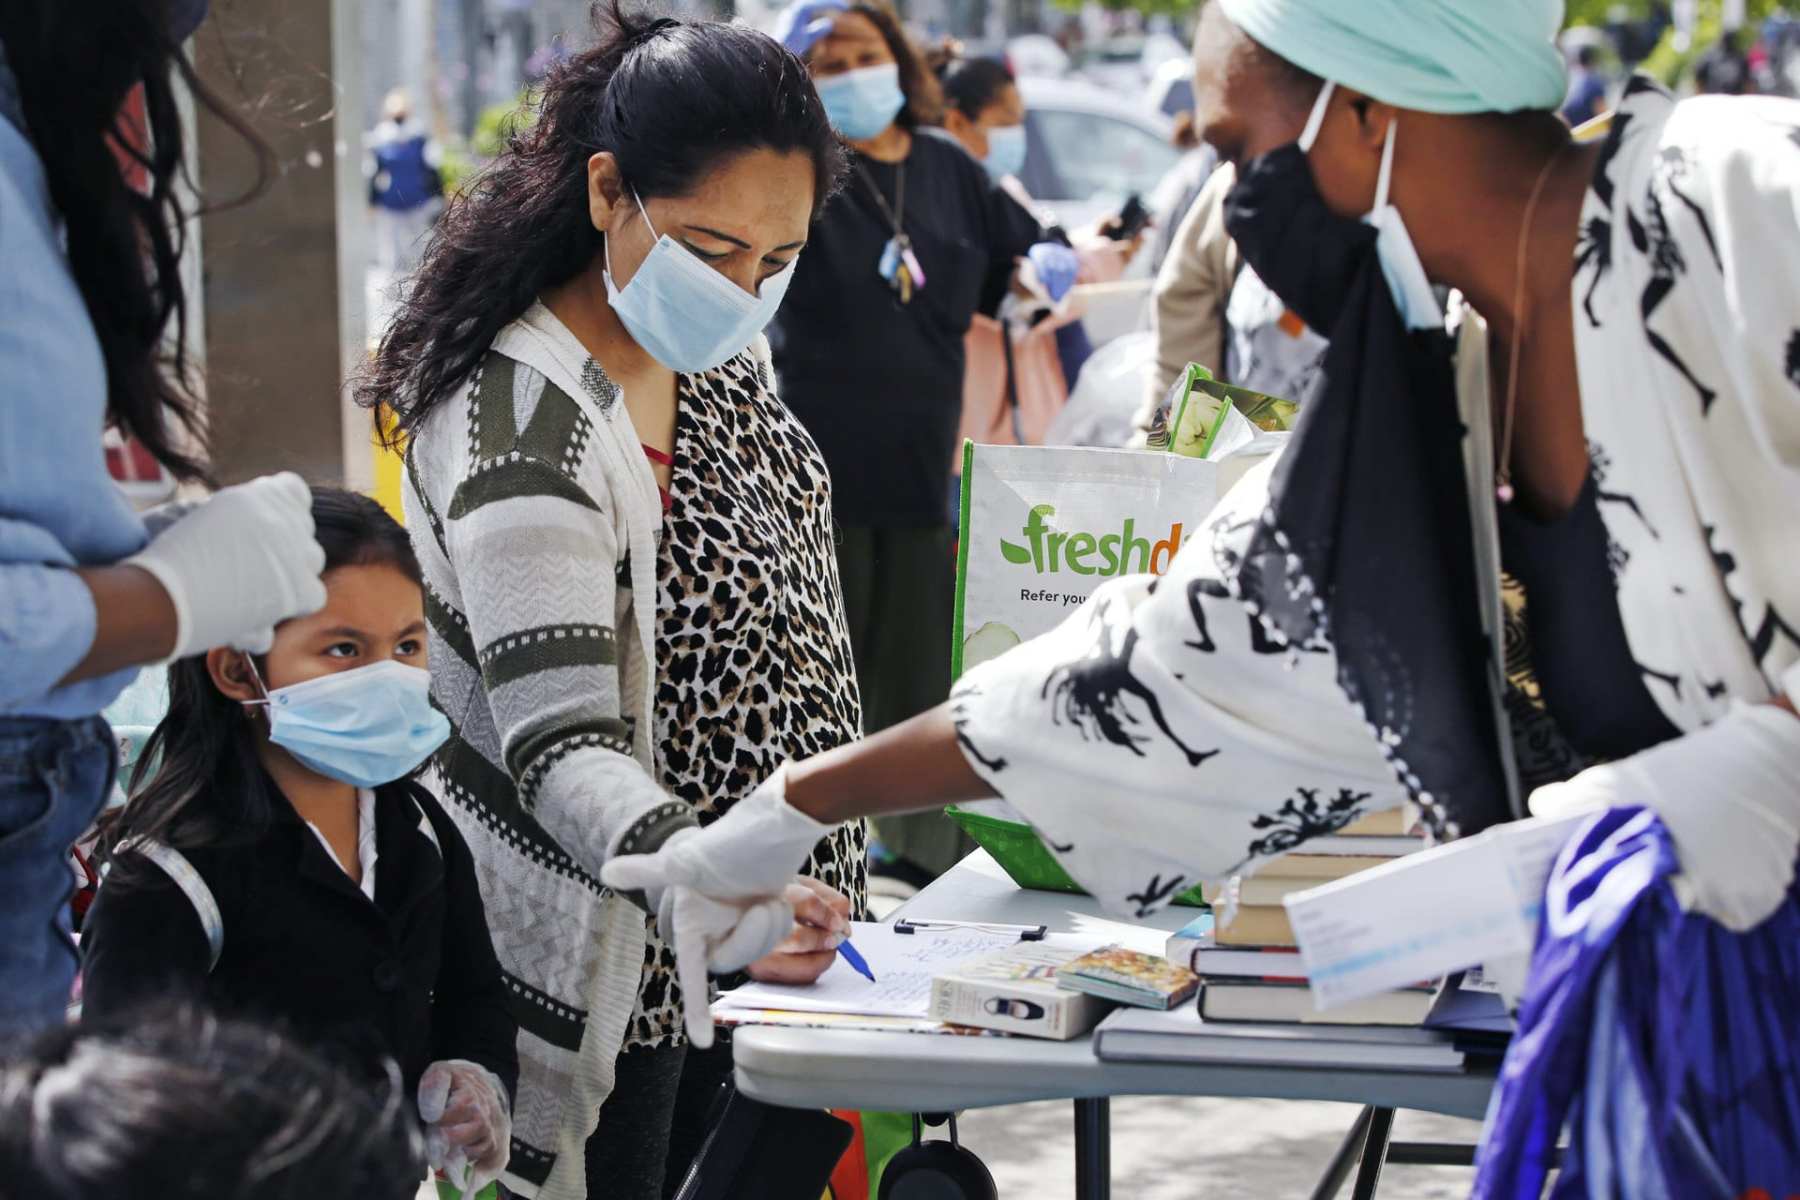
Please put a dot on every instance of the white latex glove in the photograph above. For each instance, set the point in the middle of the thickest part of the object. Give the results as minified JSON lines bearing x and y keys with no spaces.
{"x":239,"y":564}
{"x":468,"y":1127}
{"x":750,"y":853}
{"x":719,"y":892}
{"x":1730,"y":797}
{"x":713,"y":937}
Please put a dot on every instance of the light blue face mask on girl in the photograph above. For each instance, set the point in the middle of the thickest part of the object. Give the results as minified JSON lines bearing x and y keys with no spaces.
{"x":364,"y":727}
{"x":686,"y":315}
{"x":863,"y":102}
{"x":1006,"y":151}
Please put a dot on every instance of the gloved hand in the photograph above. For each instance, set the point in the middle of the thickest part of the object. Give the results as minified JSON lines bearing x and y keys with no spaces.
{"x":718,"y":892}
{"x":1729,"y":795}
{"x":803,"y":23}
{"x":239,"y":564}
{"x":750,"y":853}
{"x":1056,"y":266}
{"x":468,"y":1127}
{"x":713,"y":937}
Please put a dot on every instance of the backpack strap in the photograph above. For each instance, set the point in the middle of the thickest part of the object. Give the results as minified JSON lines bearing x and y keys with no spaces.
{"x":430,"y":831}
{"x":181,"y":872}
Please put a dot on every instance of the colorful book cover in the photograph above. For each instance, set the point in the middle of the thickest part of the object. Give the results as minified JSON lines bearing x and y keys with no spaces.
{"x":1130,"y":977}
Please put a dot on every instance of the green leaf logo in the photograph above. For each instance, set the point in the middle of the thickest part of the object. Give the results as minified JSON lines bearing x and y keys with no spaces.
{"x":1014,"y":554}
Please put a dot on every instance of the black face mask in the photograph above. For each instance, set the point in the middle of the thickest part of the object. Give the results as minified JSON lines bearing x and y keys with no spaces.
{"x":1366,"y":547}
{"x":1307,"y":254}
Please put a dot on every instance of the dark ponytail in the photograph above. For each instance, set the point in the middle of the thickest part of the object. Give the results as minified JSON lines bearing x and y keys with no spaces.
{"x":204,"y":748}
{"x":972,"y":84}
{"x":75,"y":67}
{"x":670,"y":100}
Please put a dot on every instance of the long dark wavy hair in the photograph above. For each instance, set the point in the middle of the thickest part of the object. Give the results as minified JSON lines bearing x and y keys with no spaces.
{"x":198,"y":781}
{"x":670,"y":100}
{"x":75,"y":71}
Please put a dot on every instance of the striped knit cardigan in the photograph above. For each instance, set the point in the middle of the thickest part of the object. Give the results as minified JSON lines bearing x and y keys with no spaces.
{"x":536,"y":518}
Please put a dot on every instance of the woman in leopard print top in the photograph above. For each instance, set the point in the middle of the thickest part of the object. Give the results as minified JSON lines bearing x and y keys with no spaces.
{"x":616,"y":672}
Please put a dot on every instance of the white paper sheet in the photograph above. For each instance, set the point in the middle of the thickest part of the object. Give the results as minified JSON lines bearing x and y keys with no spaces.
{"x":1470,"y":902}
{"x":903,"y":965}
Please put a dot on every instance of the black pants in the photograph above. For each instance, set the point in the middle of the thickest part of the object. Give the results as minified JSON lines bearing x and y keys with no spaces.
{"x":899,"y":592}
{"x":627,"y":1155}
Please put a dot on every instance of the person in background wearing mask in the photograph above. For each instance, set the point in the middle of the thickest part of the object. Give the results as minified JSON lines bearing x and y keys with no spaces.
{"x":1615,"y":421}
{"x":627,"y":545}
{"x":277,"y":862}
{"x":92,"y":322}
{"x":869,"y":350}
{"x":177,"y":1104}
{"x":1587,"y":88}
{"x":406,"y":187}
{"x":986,"y":116}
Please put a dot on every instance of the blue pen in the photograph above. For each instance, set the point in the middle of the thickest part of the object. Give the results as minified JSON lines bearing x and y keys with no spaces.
{"x":856,"y":960}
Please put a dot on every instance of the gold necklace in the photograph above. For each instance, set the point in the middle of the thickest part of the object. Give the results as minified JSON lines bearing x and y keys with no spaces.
{"x":1503,"y":487}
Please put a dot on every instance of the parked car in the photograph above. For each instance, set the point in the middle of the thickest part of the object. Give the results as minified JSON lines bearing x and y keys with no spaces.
{"x":1087,"y":151}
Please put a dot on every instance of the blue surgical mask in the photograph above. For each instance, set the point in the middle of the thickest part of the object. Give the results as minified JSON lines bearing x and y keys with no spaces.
{"x":1006,"y":151}
{"x":364,"y":727}
{"x":1400,"y":265}
{"x":689,"y":317}
{"x":863,"y":102}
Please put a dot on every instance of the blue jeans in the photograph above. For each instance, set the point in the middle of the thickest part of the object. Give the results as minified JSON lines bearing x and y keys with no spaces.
{"x":54,"y":779}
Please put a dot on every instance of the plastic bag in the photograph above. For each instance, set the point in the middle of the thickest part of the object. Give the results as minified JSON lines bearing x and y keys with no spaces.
{"x":1103,"y":408}
{"x":1668,"y":1046}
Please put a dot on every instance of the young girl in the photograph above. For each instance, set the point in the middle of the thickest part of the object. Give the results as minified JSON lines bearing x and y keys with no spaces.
{"x":278,"y":863}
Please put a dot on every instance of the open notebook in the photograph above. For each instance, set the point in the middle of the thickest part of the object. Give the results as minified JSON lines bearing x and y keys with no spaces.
{"x":903,"y":965}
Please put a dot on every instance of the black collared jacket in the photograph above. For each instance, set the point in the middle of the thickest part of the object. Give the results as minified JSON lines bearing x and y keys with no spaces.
{"x":411,"y":975}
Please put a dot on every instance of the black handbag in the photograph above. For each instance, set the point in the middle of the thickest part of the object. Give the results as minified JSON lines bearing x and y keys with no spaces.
{"x":936,"y":1171}
{"x":757,"y":1151}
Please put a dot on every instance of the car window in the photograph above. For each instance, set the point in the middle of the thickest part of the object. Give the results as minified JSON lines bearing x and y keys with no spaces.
{"x":1087,"y":156}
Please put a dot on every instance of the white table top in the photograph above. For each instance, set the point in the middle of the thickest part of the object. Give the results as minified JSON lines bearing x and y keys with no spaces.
{"x":847,"y":1068}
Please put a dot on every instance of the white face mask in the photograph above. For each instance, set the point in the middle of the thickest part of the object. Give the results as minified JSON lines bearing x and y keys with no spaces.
{"x":1400,"y":265}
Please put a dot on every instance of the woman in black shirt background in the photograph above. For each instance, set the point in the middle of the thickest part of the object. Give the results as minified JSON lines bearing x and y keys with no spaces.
{"x":869,"y":350}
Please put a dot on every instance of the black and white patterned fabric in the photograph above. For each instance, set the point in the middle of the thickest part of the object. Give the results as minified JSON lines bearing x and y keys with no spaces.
{"x":1162,"y":735}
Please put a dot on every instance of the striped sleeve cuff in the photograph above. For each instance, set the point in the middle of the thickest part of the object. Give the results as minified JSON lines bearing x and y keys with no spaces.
{"x":647,"y":834}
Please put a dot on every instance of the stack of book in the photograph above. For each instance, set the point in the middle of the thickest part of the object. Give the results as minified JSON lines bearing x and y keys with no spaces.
{"x":1268,"y":983}
{"x":1259,"y":917}
{"x":1245,"y":953}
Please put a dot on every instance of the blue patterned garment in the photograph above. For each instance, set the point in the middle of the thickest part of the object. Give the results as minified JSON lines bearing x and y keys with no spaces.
{"x":1666,"y":1046}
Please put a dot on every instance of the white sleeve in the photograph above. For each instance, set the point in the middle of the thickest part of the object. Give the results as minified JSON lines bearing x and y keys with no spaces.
{"x":1156,"y":738}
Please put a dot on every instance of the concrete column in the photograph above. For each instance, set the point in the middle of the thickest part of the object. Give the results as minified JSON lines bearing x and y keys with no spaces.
{"x":272,"y":272}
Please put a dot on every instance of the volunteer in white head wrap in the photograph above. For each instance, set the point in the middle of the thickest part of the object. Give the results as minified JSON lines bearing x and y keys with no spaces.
{"x":1638,"y":421}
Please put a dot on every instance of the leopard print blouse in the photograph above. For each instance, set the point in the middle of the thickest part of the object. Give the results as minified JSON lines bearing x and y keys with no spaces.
{"x":753,"y":663}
